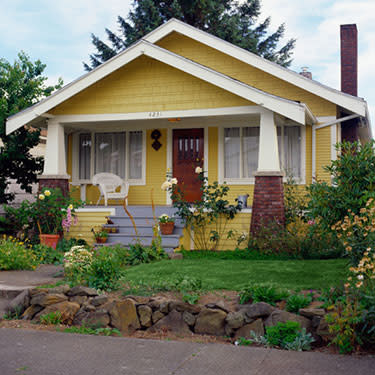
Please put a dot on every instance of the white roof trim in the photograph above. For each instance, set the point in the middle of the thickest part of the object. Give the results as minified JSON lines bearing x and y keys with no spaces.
{"x":352,"y":103}
{"x":288,"y":108}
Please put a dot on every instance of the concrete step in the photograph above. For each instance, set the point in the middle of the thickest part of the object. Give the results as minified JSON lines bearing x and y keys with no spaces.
{"x":167,"y":241}
{"x":142,"y":229}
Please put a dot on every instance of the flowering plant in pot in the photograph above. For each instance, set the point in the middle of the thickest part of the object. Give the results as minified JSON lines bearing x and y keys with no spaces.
{"x":53,"y":213}
{"x":100,"y":236}
{"x":166,"y":224}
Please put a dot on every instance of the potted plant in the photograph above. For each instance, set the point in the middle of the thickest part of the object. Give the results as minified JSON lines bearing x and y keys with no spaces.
{"x":100,"y":236}
{"x":166,"y":224}
{"x":53,"y":213}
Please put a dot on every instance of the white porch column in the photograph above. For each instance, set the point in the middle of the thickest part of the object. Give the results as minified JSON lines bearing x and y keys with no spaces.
{"x":54,"y":160}
{"x":268,"y":160}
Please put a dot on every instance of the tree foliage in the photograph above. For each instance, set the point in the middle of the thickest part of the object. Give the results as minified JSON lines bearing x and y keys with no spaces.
{"x":21,"y":85}
{"x":353,"y":184}
{"x":227,"y":19}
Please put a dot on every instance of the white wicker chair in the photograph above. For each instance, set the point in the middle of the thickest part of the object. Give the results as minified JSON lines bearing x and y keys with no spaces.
{"x":108,"y":183}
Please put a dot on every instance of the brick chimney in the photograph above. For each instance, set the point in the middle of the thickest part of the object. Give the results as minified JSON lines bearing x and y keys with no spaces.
{"x":349,"y":59}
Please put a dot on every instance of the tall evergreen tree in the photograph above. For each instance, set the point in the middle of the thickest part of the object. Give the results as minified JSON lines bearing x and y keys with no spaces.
{"x":21,"y":85}
{"x":226,"y":19}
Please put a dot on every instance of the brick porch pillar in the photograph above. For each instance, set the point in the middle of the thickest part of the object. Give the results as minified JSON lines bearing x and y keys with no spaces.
{"x":54,"y":173}
{"x":268,"y":200}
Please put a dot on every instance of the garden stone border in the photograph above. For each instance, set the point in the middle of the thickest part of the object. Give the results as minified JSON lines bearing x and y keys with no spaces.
{"x":85,"y":306}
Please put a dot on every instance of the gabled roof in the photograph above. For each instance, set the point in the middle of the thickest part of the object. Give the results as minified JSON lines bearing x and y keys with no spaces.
{"x":293,"y":110}
{"x":352,"y":103}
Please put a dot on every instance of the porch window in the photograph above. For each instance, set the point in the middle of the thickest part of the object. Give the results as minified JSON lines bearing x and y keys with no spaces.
{"x":289,"y":141}
{"x":120,"y":153}
{"x":110,"y":153}
{"x":241,"y":147}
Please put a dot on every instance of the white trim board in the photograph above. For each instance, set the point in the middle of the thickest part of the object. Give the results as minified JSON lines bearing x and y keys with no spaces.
{"x":293,"y":110}
{"x":352,"y":103}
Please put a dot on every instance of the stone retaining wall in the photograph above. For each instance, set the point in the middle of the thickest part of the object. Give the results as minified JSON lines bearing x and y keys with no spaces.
{"x":81,"y":305}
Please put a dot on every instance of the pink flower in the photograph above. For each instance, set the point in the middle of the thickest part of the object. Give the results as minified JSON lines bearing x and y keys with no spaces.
{"x":311,"y":222}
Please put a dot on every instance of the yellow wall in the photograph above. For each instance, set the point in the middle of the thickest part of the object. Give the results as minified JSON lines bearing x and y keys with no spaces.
{"x":87,"y":221}
{"x":147,"y":85}
{"x":232,"y":67}
{"x":323,"y":153}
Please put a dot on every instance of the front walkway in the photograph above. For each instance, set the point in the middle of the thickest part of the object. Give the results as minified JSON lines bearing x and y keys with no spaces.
{"x":50,"y":353}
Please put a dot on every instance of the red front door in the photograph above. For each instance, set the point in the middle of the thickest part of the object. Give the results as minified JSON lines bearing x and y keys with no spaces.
{"x":187,"y":155}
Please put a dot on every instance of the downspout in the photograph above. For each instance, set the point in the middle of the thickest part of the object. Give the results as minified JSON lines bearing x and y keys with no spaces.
{"x":315,"y":128}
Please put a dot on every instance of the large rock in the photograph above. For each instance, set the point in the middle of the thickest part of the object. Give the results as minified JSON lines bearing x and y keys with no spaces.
{"x":156,"y":316}
{"x":323,"y":330}
{"x":182,"y":306}
{"x":284,"y":316}
{"x":67,"y":309}
{"x":31,"y":311}
{"x":124,"y":315}
{"x":99,"y":300}
{"x":20,"y":303}
{"x":44,"y":299}
{"x":61,"y":289}
{"x":99,"y":318}
{"x":211,"y":322}
{"x":310,"y":313}
{"x":173,"y":322}
{"x":145,"y":314}
{"x":159,"y":303}
{"x":79,"y":299}
{"x":189,"y":318}
{"x":217,"y":305}
{"x":80,"y":290}
{"x":256,"y":310}
{"x":234,"y":320}
{"x":245,"y":331}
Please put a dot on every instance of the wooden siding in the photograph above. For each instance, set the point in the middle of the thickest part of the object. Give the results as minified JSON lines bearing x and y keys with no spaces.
{"x":147,"y":85}
{"x":232,"y":67}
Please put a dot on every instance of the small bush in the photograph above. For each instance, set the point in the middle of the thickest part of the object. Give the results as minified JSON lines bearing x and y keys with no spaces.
{"x":106,"y":269}
{"x":297,"y":301}
{"x":15,"y":255}
{"x":48,"y":255}
{"x":262,"y":293}
{"x":53,"y":317}
{"x":77,"y":262}
{"x":141,"y":254}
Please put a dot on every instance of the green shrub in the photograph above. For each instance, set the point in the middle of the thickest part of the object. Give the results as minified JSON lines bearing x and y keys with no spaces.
{"x":77,"y":262}
{"x":353,"y":183}
{"x":262,"y":293}
{"x":15,"y":255}
{"x":297,"y":301}
{"x":138,"y":254}
{"x":53,"y":317}
{"x":288,"y":335}
{"x":48,"y":255}
{"x":106,"y":269}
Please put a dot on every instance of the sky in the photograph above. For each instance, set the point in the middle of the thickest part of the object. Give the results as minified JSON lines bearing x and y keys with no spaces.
{"x":58,"y":33}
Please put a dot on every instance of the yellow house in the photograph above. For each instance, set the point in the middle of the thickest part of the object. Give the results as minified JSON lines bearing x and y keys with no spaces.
{"x":181,"y":98}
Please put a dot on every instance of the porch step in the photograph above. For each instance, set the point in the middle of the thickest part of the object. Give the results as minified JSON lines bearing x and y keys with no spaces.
{"x":143,"y":217}
{"x":142,"y":229}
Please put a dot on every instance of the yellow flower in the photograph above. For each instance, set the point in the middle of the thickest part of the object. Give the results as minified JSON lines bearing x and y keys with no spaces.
{"x":47,"y":193}
{"x":70,"y":206}
{"x":41,"y":196}
{"x":348,"y":248}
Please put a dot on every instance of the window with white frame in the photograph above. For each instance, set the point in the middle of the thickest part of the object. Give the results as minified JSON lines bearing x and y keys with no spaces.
{"x":241,"y":149}
{"x":289,"y":142}
{"x":119,"y":153}
{"x":241,"y":146}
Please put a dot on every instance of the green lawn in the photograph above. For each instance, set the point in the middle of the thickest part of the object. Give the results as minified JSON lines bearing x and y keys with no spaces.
{"x":234,"y":274}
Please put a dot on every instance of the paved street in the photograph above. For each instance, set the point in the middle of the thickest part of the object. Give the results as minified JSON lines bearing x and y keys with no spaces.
{"x":50,"y":353}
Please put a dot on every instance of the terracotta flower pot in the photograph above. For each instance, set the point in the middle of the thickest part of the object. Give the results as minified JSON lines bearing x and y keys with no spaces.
{"x":101,"y":239}
{"x":166,"y":228}
{"x":50,"y":240}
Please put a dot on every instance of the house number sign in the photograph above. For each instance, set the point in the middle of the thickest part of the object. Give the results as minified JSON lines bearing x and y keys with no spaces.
{"x":154,"y":114}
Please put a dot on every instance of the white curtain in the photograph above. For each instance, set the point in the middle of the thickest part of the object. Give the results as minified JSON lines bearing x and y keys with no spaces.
{"x":292,"y":150}
{"x":232,"y":146}
{"x":135,"y":155}
{"x":84,"y":156}
{"x":110,"y":153}
{"x":250,"y":151}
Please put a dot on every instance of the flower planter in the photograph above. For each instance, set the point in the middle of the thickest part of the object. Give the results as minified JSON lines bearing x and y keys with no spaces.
{"x":166,"y":228}
{"x":50,"y":240}
{"x":101,"y":239}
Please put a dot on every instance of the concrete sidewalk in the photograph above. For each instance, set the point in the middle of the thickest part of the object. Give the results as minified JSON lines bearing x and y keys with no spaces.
{"x":14,"y":282}
{"x":52,"y":353}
